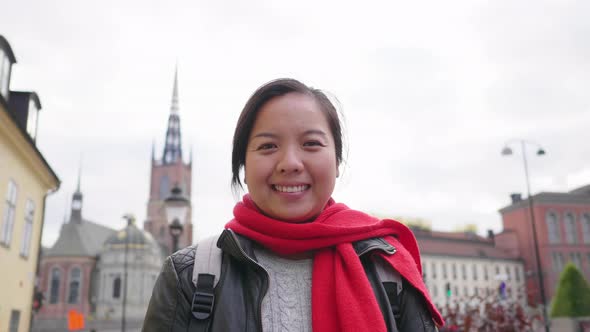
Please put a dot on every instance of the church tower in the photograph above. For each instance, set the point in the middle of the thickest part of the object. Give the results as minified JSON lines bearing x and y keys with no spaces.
{"x":166,"y":173}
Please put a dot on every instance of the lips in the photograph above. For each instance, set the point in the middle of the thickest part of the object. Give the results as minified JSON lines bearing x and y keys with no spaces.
{"x":290,"y":188}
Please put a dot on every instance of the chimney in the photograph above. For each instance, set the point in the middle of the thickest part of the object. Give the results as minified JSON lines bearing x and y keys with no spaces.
{"x":516,"y":197}
{"x":491,"y":235}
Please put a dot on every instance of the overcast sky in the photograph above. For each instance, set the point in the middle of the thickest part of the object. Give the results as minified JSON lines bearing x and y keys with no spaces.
{"x":430,"y":91}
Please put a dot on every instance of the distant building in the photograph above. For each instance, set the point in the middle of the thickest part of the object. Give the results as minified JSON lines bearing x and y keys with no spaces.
{"x":458,"y":265}
{"x":143,"y":261}
{"x":563,"y":231}
{"x":84,"y":271}
{"x":167,"y":172}
{"x":26,"y":179}
{"x":68,"y":268}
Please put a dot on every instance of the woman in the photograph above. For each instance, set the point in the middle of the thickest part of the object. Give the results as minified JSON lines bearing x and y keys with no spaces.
{"x":293,"y":259}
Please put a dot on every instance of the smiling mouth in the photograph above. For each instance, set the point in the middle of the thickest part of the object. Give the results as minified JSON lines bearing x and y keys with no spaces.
{"x":290,"y":189}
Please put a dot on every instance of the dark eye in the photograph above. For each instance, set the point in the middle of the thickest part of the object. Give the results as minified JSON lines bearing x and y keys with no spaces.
{"x":266,"y":146}
{"x":313,"y":143}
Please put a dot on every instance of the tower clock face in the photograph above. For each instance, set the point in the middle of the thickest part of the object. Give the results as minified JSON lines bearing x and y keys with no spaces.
{"x":76,"y":205}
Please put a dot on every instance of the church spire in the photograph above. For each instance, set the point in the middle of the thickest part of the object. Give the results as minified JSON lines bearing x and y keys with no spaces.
{"x":76,"y":213}
{"x":172,"y":147}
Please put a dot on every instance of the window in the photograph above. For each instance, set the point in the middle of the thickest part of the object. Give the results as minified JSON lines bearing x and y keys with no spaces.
{"x":553,"y":228}
{"x":561,"y":261}
{"x":4,"y":74}
{"x":586,"y":227}
{"x":454,"y":269}
{"x":444,"y":270}
{"x":117,"y":288}
{"x":485,"y":273}
{"x":434,"y":291}
{"x":74,"y":286}
{"x":28,"y":230}
{"x":423,"y":270}
{"x":54,"y":285}
{"x":465,"y":291}
{"x":474,"y":271}
{"x":433,"y":272}
{"x":9,"y":213}
{"x":164,"y":187}
{"x":576,"y":258}
{"x":14,"y":320}
{"x":464,"y":271}
{"x":570,"y":228}
{"x":456,"y":291}
{"x":517,"y":273}
{"x":508,"y":274}
{"x":555,"y":261}
{"x":32,"y":119}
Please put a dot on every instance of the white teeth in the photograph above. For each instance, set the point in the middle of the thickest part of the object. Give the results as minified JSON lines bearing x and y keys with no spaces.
{"x":290,"y":189}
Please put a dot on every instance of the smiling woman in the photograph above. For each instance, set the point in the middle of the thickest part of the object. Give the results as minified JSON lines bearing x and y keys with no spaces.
{"x":292,"y":258}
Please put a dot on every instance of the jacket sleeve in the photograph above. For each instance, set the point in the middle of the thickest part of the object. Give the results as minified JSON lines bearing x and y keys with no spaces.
{"x":169,"y":307}
{"x":414,"y":314}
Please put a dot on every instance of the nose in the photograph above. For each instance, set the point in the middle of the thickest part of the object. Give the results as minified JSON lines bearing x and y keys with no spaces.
{"x":290,"y":161}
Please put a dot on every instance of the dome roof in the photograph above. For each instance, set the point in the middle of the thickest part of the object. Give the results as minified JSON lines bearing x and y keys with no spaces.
{"x":132,"y":236}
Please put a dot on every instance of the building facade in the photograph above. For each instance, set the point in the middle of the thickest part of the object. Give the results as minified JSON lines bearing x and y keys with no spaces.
{"x":67,"y":269}
{"x":25,"y":181}
{"x":84,"y":271}
{"x":459,"y":265}
{"x":166,"y":173}
{"x":141,"y":262}
{"x":562,"y":222}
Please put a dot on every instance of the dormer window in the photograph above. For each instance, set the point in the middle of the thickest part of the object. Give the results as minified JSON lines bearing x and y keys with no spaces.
{"x":32,"y":119}
{"x":4,"y":73}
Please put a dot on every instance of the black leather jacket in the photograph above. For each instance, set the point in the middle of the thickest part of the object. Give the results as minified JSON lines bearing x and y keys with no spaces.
{"x":243,"y":283}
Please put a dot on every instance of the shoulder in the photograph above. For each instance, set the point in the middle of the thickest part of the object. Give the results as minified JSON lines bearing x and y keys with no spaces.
{"x":183,"y":259}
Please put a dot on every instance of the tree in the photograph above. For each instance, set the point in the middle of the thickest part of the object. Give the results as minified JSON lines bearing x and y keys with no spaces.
{"x":471,"y":228}
{"x":573,"y":294}
{"x":415,"y":222}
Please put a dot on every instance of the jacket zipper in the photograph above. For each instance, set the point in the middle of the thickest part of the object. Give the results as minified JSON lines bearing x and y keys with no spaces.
{"x":264,"y":280}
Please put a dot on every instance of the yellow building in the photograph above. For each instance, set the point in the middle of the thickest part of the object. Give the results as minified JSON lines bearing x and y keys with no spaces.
{"x":25,"y":181}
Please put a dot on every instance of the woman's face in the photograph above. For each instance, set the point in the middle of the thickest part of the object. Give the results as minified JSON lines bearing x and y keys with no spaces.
{"x":290,"y":164}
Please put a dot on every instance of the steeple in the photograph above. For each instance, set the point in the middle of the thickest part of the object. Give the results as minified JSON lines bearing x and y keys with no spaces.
{"x":172,"y":147}
{"x":76,"y":214}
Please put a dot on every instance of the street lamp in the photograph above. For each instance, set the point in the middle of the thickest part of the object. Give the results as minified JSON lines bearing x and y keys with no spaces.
{"x":176,"y":207}
{"x":507,"y":151}
{"x":130,"y":221}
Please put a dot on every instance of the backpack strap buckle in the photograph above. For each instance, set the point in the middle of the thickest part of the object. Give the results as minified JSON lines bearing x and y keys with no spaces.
{"x":204,"y":297}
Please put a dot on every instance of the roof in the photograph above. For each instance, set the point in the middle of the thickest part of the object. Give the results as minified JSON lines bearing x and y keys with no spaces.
{"x":4,"y":45}
{"x":137,"y":238}
{"x":577,"y":196}
{"x":459,"y":244}
{"x":80,"y":239}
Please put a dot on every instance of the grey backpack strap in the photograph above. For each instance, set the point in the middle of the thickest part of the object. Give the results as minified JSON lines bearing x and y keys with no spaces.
{"x":207,"y":259}
{"x":206,"y":274}
{"x":392,"y":283}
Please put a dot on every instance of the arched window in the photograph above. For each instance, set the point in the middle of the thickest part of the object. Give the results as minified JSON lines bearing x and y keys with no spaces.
{"x":586,"y":227}
{"x":117,"y":288}
{"x":54,"y":283}
{"x":553,"y":228}
{"x":570,"y":228}
{"x":74,"y":286}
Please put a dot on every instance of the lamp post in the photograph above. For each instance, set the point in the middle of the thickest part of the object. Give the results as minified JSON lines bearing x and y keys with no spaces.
{"x":507,"y":151}
{"x":176,"y":207}
{"x":130,"y":220}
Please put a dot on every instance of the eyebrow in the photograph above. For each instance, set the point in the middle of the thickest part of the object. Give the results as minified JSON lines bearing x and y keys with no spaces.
{"x":307,"y":132}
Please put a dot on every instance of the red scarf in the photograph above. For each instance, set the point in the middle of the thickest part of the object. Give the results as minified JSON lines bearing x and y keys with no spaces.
{"x":341,"y":296}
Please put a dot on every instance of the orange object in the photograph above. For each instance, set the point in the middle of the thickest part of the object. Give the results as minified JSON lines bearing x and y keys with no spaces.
{"x":75,"y":320}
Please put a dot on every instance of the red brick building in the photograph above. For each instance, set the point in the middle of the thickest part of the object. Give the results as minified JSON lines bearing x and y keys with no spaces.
{"x":562,"y":223}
